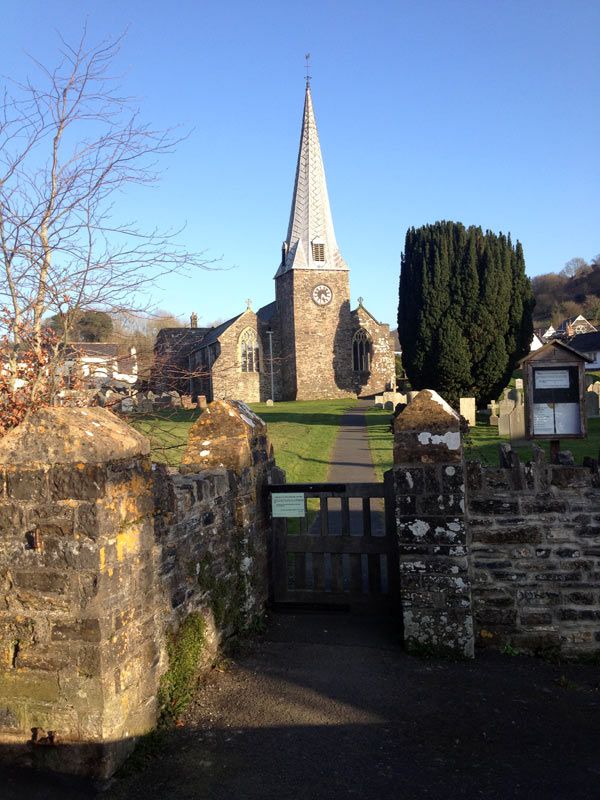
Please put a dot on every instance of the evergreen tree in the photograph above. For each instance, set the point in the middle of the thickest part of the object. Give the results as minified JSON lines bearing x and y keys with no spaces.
{"x":464,"y":316}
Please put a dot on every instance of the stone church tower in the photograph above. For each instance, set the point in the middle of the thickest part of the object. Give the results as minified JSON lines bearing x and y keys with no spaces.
{"x":312,"y":287}
{"x":321,"y":348}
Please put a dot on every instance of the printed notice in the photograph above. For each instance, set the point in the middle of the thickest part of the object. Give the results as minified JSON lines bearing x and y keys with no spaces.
{"x":567,"y":418}
{"x":551,"y":378}
{"x":290,"y":504}
{"x":543,"y":419}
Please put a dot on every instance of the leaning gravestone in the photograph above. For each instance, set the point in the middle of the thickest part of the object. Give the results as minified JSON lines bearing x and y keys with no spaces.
{"x":468,"y":410}
{"x":411,"y":396}
{"x":516,"y":423}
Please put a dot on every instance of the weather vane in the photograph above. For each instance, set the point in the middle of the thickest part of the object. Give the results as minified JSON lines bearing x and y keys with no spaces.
{"x":308,"y":76}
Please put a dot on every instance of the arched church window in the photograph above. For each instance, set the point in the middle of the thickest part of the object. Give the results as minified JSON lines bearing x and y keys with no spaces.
{"x":361,"y":351}
{"x":249,"y":352}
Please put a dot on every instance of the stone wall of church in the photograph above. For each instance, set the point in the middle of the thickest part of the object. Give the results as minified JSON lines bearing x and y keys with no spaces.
{"x":284,"y":296}
{"x":382,"y":375}
{"x":316,"y":340}
{"x":228,"y":380}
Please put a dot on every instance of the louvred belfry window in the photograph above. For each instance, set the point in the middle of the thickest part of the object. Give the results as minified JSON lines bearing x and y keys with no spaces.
{"x":361,"y":351}
{"x":249,"y":351}
{"x":318,"y":251}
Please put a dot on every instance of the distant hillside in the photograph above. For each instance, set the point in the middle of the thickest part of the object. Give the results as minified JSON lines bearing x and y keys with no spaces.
{"x":574,"y":290}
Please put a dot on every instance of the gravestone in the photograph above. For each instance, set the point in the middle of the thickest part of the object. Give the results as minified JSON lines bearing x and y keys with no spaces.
{"x":201,"y":402}
{"x":519,"y":383}
{"x":145,"y":406}
{"x":505,"y":409}
{"x":411,"y":396}
{"x":468,"y":410}
{"x":269,"y":402}
{"x":186,"y":401}
{"x":388,"y":405}
{"x":516,"y":423}
{"x":127,"y":405}
{"x":592,"y":404}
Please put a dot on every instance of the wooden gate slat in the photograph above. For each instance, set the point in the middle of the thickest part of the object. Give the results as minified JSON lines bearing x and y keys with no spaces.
{"x":337,"y":572}
{"x":366,"y":516}
{"x":318,"y":572}
{"x":356,"y":582}
{"x":374,"y":573}
{"x":345,"y":516}
{"x":299,"y":571}
{"x":324,"y":516}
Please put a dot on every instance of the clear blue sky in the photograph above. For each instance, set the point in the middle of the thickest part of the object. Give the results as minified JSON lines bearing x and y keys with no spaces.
{"x":486,"y":113}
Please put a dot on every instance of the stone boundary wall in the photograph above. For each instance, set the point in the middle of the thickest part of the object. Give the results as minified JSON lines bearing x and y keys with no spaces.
{"x":535,"y":557}
{"x":504,"y":557}
{"x":103,"y":556}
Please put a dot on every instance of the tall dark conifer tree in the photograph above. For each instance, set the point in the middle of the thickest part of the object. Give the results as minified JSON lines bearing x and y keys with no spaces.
{"x":464,"y":317}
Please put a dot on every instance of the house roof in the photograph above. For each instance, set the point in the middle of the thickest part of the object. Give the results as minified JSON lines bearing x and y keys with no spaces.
{"x":586,"y":342}
{"x":107,"y":350}
{"x":571,"y":321}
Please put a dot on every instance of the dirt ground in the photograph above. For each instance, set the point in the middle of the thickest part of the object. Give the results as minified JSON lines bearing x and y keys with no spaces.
{"x":329,"y":706}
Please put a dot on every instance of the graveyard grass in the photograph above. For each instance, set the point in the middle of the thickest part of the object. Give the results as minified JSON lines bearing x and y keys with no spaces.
{"x":481,"y":443}
{"x":302,"y":434}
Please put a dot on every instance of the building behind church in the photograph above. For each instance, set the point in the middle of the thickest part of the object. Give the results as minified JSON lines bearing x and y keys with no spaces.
{"x":309,"y":343}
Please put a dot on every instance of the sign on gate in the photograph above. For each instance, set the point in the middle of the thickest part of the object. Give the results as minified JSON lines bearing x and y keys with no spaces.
{"x":288,"y":505}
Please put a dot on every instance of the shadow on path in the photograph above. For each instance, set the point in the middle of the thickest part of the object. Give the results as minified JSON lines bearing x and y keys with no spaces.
{"x":329,"y":706}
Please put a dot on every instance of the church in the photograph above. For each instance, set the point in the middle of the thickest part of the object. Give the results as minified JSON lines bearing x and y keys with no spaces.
{"x":309,"y":343}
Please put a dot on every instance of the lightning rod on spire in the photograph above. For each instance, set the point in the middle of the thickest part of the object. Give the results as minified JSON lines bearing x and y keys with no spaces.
{"x":308,"y":75}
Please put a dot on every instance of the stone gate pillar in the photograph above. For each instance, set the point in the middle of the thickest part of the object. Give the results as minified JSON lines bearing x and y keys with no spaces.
{"x":79,"y":619}
{"x":429,"y":478}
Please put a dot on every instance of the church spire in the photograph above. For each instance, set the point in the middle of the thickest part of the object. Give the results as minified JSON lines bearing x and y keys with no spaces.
{"x":310,"y":241}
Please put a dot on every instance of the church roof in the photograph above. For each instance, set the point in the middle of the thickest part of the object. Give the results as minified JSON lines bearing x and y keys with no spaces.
{"x":214,"y":333}
{"x":265,"y":314}
{"x":310,"y":218}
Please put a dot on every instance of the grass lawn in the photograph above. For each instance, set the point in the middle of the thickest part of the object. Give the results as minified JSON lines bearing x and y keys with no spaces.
{"x":481,"y":444}
{"x":302,"y":434}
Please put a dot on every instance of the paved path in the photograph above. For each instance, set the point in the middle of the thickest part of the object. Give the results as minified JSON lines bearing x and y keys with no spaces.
{"x":329,"y":707}
{"x":351,"y":460}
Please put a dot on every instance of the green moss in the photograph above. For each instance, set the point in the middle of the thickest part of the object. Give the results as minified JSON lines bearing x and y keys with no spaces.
{"x":184,"y":650}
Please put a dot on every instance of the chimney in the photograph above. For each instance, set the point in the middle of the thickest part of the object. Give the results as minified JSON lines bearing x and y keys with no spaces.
{"x":194,"y":320}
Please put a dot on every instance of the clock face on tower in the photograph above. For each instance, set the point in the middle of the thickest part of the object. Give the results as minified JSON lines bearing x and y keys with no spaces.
{"x":322,"y":294}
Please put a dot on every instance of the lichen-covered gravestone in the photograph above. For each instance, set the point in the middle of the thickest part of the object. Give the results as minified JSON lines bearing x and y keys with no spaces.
{"x":79,"y":609}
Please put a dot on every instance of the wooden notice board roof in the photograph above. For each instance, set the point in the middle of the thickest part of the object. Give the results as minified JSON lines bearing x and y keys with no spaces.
{"x":555,"y":350}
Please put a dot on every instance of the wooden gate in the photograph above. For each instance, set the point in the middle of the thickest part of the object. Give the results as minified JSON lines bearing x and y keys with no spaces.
{"x":343,"y":552}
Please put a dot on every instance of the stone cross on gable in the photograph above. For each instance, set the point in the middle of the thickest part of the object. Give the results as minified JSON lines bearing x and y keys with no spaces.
{"x":249,"y":304}
{"x":361,"y":301}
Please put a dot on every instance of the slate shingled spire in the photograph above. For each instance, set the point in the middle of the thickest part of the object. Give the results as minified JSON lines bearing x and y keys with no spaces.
{"x":310,"y":241}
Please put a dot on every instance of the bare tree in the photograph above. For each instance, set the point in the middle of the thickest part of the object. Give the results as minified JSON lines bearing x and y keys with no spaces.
{"x":575,"y":267}
{"x":70,"y":145}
